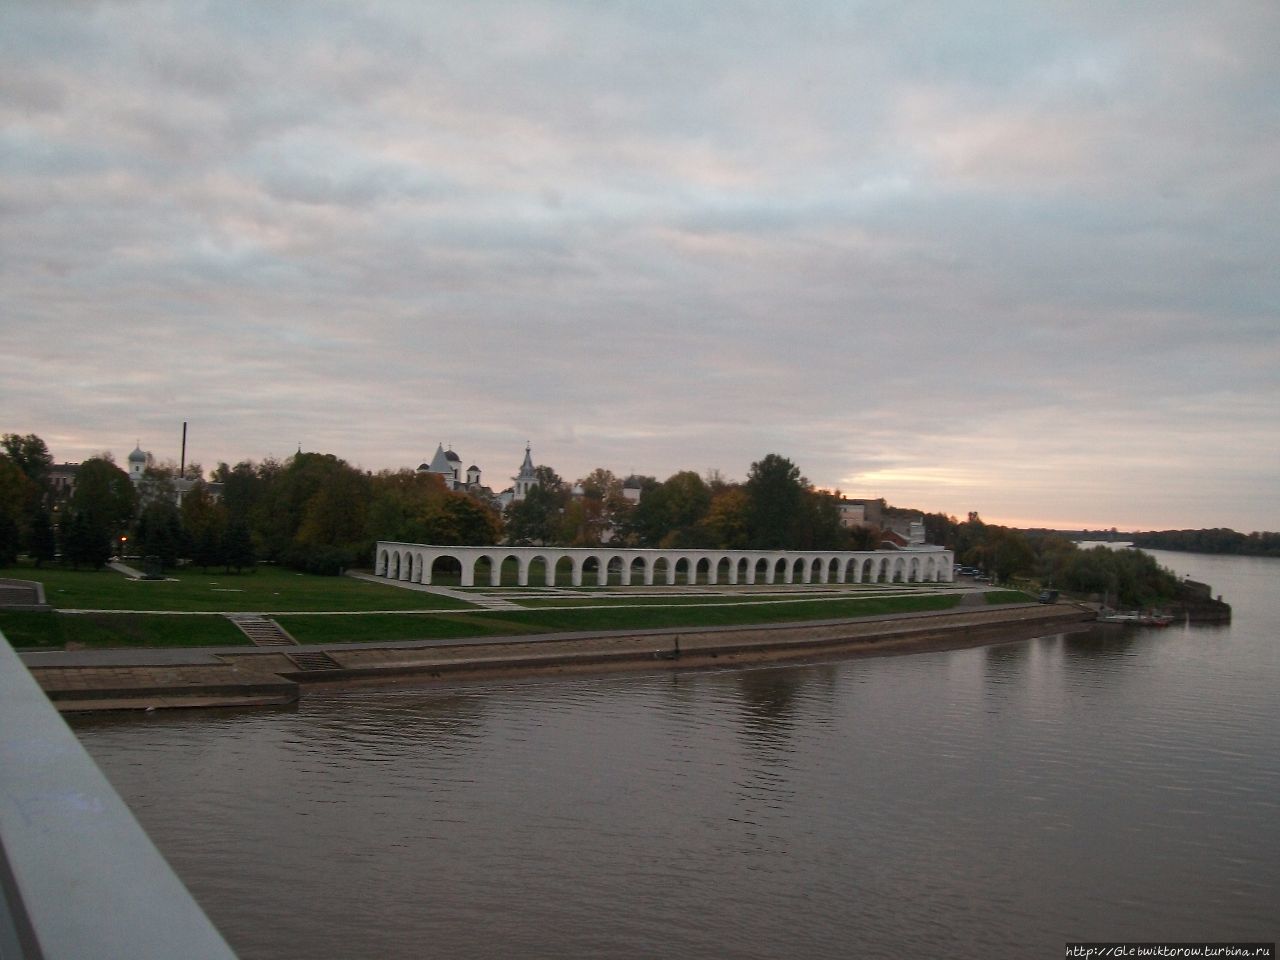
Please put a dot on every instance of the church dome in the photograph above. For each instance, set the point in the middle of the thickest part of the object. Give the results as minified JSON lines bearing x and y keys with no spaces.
{"x":137,"y":456}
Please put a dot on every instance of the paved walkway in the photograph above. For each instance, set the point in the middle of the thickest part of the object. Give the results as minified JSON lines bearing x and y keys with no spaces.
{"x":167,"y":656}
{"x":238,"y":676}
{"x":479,"y":599}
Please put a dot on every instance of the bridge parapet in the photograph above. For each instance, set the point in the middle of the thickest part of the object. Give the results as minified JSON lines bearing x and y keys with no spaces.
{"x":79,"y":877}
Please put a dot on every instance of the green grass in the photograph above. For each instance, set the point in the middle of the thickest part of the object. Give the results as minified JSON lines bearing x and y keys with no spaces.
{"x":1008,"y":596}
{"x":377,"y":628}
{"x":297,"y":599}
{"x":266,"y":590}
{"x":52,"y":631}
{"x":355,"y":629}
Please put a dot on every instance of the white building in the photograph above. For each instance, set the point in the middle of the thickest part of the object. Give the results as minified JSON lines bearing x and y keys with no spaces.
{"x":524,"y":481}
{"x":447,"y":465}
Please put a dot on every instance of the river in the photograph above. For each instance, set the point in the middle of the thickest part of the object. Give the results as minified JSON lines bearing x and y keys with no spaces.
{"x":1117,"y":784}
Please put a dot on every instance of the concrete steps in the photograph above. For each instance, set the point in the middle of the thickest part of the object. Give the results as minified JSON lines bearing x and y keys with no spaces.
{"x":313,"y":660}
{"x":263,"y":631}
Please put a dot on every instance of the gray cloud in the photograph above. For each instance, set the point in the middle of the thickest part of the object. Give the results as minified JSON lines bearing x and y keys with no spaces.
{"x":996,"y":257}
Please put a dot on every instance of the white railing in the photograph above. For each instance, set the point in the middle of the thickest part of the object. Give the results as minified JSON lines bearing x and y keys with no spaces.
{"x":79,"y":877}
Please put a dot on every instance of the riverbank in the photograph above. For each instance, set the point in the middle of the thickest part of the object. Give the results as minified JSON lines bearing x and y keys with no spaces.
{"x":139,"y":679}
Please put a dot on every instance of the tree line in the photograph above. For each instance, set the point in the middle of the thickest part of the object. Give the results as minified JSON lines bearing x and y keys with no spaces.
{"x":775,"y":508}
{"x":316,"y":512}
{"x":1222,"y":540}
{"x":1126,"y":577}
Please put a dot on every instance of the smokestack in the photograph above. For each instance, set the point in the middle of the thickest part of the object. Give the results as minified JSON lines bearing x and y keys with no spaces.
{"x":182,"y":464}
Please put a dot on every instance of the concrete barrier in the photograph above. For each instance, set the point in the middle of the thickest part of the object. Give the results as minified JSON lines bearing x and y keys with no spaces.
{"x":79,"y":877}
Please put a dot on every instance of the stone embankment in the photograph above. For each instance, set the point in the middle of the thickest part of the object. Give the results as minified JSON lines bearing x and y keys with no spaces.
{"x":1196,"y":604}
{"x":237,"y":676}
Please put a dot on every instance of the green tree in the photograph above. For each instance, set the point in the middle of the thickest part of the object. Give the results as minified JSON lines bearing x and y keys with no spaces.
{"x":580,"y":524}
{"x":15,"y":495}
{"x":600,"y":484}
{"x":464,"y":521}
{"x":105,"y":492}
{"x":539,"y":517}
{"x":312,"y":512}
{"x":670,"y":514}
{"x":775,"y":500}
{"x":243,"y":486}
{"x":818,"y":526}
{"x":633,"y":524}
{"x":30,"y":455}
{"x":336,"y":513}
{"x":8,"y":540}
{"x":536,"y":519}
{"x":43,"y":542}
{"x":400,"y":502}
{"x":237,"y":548}
{"x":1007,"y":553}
{"x":101,"y":511}
{"x":158,"y":535}
{"x":204,"y":520}
{"x":21,"y":503}
{"x":86,"y":541}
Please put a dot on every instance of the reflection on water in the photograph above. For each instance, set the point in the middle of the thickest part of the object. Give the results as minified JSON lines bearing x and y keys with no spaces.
{"x":994,"y":802}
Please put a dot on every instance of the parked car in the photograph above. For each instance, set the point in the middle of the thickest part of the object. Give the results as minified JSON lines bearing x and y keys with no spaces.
{"x":1048,"y":596}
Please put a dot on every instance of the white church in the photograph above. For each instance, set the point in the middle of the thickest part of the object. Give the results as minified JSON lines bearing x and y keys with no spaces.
{"x":447,"y":465}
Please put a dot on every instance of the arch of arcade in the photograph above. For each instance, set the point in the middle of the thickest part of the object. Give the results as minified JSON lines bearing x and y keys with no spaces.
{"x":594,"y":566}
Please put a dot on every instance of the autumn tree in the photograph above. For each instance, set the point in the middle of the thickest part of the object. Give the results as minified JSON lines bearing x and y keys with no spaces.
{"x":416,"y":507}
{"x":399,"y":503}
{"x":602,"y":507}
{"x":21,"y":503}
{"x":15,"y":493}
{"x":724,"y":524}
{"x":30,"y":455}
{"x":464,"y":521}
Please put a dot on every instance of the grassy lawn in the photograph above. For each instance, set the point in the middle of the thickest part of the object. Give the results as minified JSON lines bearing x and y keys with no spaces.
{"x":53,"y":631}
{"x":136,"y":610}
{"x":641,"y":599}
{"x":354,"y":629}
{"x":1008,"y":596}
{"x":266,"y":590}
{"x":376,"y":628}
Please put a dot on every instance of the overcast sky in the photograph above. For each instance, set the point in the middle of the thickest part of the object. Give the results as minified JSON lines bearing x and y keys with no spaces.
{"x":1020,"y":258}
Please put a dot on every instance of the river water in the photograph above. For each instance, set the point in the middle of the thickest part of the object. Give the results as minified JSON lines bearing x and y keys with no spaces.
{"x":1117,"y":784}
